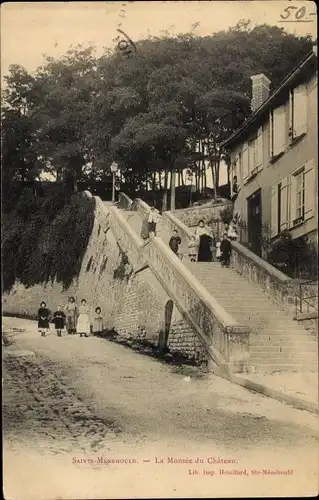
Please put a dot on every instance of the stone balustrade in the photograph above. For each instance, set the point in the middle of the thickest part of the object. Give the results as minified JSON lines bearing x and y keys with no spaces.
{"x":274,"y":283}
{"x":172,"y":222}
{"x":126,"y":238}
{"x":226,"y":341}
{"x":208,"y":212}
{"x":124,"y":201}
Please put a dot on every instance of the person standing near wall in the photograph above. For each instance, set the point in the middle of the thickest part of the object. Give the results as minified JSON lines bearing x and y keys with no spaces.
{"x":59,"y":320}
{"x":83,"y":323}
{"x":97,"y":321}
{"x":71,"y":315}
{"x":43,"y":319}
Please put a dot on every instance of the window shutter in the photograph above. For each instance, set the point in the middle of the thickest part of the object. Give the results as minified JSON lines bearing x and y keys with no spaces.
{"x":310,"y":190}
{"x":251,"y":156}
{"x":293,"y":200}
{"x":279,"y":136}
{"x":274,"y":210}
{"x":284,"y":191}
{"x":300,"y":112}
{"x":240,"y":168}
{"x":271,"y":135}
{"x":259,"y":147}
{"x":291,"y":121}
{"x":245,"y":160}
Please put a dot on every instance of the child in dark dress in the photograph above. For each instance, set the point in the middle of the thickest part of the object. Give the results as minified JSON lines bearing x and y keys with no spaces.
{"x":174,"y":242}
{"x":59,"y":321}
{"x":43,"y":319}
{"x":225,"y":249}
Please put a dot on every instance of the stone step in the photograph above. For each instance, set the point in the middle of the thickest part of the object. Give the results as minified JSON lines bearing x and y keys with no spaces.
{"x":282,"y":337}
{"x":283,"y":360}
{"x":281,"y":349}
{"x":265,"y":368}
{"x":288,"y":354}
{"x":287,"y":345}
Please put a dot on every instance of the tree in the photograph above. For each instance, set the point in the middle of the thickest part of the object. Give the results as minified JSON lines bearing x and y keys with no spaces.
{"x":158,"y":114}
{"x":64,"y":90}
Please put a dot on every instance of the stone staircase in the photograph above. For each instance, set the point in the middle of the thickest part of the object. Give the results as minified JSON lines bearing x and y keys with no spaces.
{"x":277,"y":343}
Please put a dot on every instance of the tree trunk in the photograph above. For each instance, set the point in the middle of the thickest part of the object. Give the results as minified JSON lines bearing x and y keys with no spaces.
{"x":183,"y":180}
{"x":205,"y":179}
{"x":217,"y":175}
{"x":173,"y":180}
{"x":164,"y":204}
{"x":154,"y":182}
{"x":212,"y":169}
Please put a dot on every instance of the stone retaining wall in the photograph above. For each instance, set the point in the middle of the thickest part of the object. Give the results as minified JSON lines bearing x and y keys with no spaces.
{"x":208,"y":212}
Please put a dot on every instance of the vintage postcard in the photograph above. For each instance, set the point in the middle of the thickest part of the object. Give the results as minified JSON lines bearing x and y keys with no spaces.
{"x":159,"y":249}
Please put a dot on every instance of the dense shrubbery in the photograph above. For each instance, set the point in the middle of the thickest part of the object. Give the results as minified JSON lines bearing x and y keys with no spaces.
{"x":46,"y":238}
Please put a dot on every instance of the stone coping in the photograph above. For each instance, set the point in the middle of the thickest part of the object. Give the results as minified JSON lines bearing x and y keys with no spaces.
{"x":210,"y":204}
{"x":262,"y":264}
{"x":178,"y":223}
{"x":114,"y":211}
{"x":126,"y":198}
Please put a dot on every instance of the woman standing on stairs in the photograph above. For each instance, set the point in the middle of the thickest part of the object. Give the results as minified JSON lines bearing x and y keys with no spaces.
{"x":204,"y":237}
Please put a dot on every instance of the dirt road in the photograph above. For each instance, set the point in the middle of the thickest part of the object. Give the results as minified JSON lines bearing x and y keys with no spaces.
{"x":71,"y":405}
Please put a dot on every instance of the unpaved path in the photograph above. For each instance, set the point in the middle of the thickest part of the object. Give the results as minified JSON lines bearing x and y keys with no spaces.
{"x":77,"y":400}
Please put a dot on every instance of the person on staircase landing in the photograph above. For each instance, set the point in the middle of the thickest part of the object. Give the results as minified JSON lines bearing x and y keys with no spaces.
{"x":192,"y":249}
{"x":43,"y":319}
{"x":83,"y":323}
{"x":174,"y":242}
{"x":218,"y":252}
{"x":232,"y":234}
{"x":153,"y":218}
{"x":71,"y":315}
{"x":204,"y":237}
{"x":59,"y":321}
{"x":97,"y":321}
{"x":225,"y":248}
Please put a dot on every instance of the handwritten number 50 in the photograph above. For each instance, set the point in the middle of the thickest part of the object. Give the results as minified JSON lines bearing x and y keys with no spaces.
{"x":298,"y":15}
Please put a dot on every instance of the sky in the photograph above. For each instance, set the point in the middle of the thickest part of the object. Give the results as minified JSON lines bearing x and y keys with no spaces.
{"x":29,"y":30}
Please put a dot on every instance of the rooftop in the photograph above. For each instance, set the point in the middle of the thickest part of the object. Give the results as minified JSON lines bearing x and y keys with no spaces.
{"x":308,"y":65}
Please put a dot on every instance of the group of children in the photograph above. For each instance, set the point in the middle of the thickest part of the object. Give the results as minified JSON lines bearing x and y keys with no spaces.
{"x":222,"y":247}
{"x":73,"y":318}
{"x":223,"y":250}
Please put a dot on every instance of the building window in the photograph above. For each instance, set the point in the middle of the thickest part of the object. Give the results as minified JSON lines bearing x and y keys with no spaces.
{"x":298,"y":112}
{"x":278,"y":131}
{"x":300,"y":196}
{"x":252,"y":155}
{"x":293,"y":200}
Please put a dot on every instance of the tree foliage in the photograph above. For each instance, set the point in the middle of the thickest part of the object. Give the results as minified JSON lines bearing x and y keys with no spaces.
{"x":165,"y":109}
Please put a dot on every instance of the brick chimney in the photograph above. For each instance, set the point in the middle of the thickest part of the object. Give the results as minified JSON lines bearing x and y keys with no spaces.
{"x":260,"y":90}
